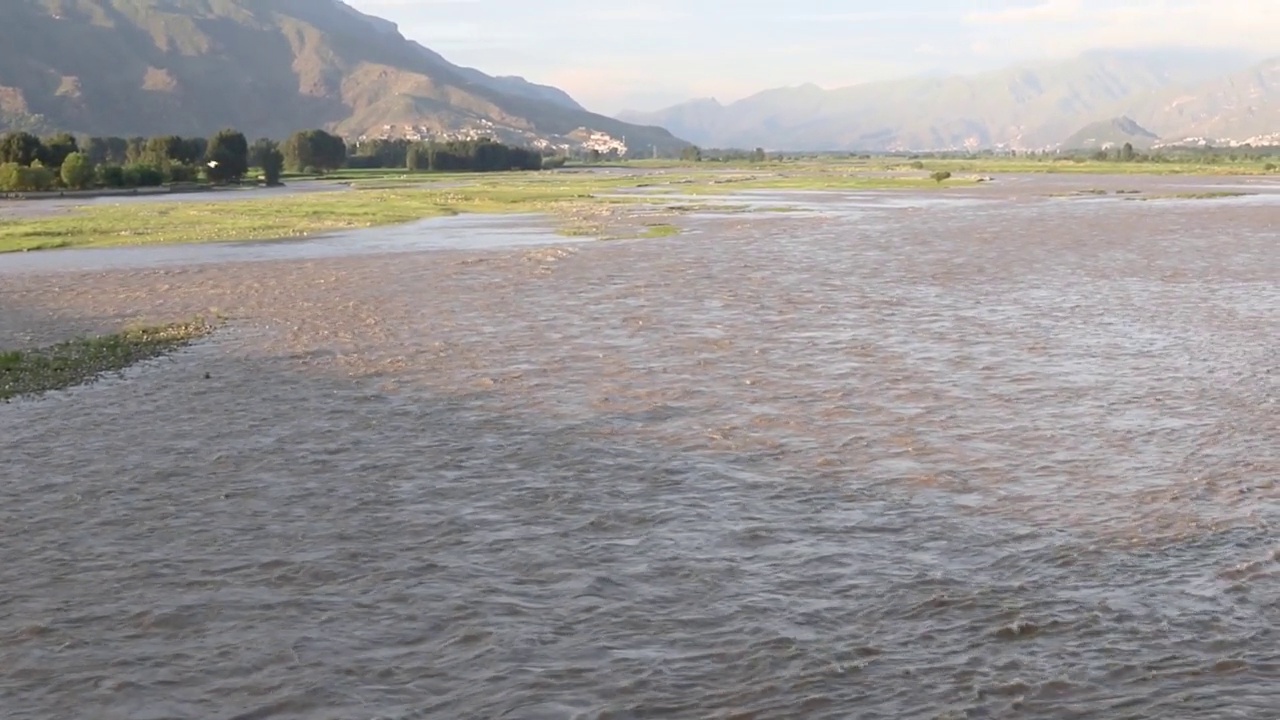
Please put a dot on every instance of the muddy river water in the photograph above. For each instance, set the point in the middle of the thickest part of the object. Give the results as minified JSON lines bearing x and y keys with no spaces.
{"x":1006,"y":455}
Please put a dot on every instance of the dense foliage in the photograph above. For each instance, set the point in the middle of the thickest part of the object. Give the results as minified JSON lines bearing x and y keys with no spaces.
{"x":29,"y":163}
{"x":480,"y":155}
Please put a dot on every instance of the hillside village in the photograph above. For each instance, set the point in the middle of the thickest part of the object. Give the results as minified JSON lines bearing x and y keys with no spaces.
{"x":579,"y":142}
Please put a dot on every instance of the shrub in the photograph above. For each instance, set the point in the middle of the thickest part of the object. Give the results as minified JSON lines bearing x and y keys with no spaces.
{"x":272,"y":166}
{"x":139,"y":175}
{"x":39,"y":178}
{"x":9,"y":176}
{"x":180,"y":173}
{"x":16,"y":178}
{"x":941,"y":175}
{"x":416,"y":159}
{"x":111,"y":176}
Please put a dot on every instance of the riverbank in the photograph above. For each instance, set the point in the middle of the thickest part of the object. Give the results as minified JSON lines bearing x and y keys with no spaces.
{"x":600,"y":202}
{"x":579,"y":202}
{"x":120,"y":192}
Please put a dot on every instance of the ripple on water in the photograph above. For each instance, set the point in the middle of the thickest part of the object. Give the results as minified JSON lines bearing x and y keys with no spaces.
{"x":977,"y":463}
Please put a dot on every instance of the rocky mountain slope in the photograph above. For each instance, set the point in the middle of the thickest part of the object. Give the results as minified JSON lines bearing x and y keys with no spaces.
{"x":1242,"y":107}
{"x":268,"y":67}
{"x":1025,"y":107}
{"x":1111,"y":133}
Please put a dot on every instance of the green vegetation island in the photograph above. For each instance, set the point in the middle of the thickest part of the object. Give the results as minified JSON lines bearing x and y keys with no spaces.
{"x":31,"y":372}
{"x":399,"y":181}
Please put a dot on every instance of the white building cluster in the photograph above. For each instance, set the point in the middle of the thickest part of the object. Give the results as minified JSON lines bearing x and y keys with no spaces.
{"x":582,"y":140}
{"x":601,"y":142}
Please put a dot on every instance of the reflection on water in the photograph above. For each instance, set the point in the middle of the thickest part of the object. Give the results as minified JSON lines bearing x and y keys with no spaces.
{"x":1001,"y":460}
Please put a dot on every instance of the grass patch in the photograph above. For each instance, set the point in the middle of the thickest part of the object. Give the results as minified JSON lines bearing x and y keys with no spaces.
{"x":1094,"y":192}
{"x":302,"y":215}
{"x":980,"y":165}
{"x":271,"y":218}
{"x":580,"y":230}
{"x":818,"y":181}
{"x":77,"y":362}
{"x":390,"y":198}
{"x":1194,"y":196}
{"x":660,"y":230}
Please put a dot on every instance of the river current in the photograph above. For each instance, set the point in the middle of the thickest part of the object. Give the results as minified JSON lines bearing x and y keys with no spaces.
{"x":1002,"y":456}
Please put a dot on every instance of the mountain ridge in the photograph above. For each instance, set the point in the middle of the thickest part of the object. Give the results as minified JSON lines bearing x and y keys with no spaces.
{"x":268,"y":67}
{"x":1105,"y":134}
{"x":1028,"y":106}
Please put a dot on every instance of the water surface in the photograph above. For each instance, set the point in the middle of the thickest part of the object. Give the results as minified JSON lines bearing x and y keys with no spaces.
{"x":999,"y":459}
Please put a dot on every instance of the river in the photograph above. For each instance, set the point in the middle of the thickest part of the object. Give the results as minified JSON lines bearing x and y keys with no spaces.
{"x":1007,"y":455}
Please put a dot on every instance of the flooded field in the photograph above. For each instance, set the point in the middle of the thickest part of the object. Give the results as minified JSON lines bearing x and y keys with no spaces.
{"x":1007,"y":455}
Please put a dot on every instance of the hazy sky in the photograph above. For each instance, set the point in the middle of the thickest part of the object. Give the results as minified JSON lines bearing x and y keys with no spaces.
{"x":645,"y":54}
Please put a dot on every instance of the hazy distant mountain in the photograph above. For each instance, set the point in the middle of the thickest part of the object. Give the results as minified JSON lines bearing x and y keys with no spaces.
{"x":1241,"y":106}
{"x":1028,"y":106}
{"x":269,"y":67}
{"x":1110,"y":133}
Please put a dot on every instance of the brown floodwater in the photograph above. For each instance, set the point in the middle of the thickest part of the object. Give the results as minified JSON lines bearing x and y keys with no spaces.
{"x":1005,"y":455}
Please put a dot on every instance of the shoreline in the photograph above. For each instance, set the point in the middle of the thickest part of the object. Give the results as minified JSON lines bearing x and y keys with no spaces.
{"x":193,"y":189}
{"x":585,"y":204}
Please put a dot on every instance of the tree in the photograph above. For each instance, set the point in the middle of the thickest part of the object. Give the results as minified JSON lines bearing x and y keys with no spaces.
{"x":139,"y":175}
{"x":176,"y":172}
{"x":314,"y":150}
{"x":1126,"y":152}
{"x":193,"y":150}
{"x":111,"y":176}
{"x":692,"y":153}
{"x":940,"y":175}
{"x":259,"y":150}
{"x":416,"y":159}
{"x":163,"y":148}
{"x":758,"y":156}
{"x":333,"y":152}
{"x":98,"y":150}
{"x":21,"y":178}
{"x":381,"y":153}
{"x":272,"y":163}
{"x":10,"y":176}
{"x":56,"y":149}
{"x":22,"y":148}
{"x":77,"y":171}
{"x":135,"y":150}
{"x":107,"y":150}
{"x":228,"y":156}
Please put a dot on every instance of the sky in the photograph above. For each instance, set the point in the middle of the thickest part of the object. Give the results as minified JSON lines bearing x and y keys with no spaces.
{"x":614,"y":55}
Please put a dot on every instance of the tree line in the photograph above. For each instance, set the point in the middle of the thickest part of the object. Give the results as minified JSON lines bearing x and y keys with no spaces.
{"x":29,"y":163}
{"x":479,"y":155}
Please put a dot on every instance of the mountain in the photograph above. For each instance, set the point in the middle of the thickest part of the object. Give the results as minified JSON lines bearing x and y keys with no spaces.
{"x":1240,"y":107}
{"x":1105,"y":134}
{"x":1028,"y":106}
{"x":268,"y":67}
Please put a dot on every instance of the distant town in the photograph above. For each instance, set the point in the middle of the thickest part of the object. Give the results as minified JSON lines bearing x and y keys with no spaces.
{"x":582,"y":141}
